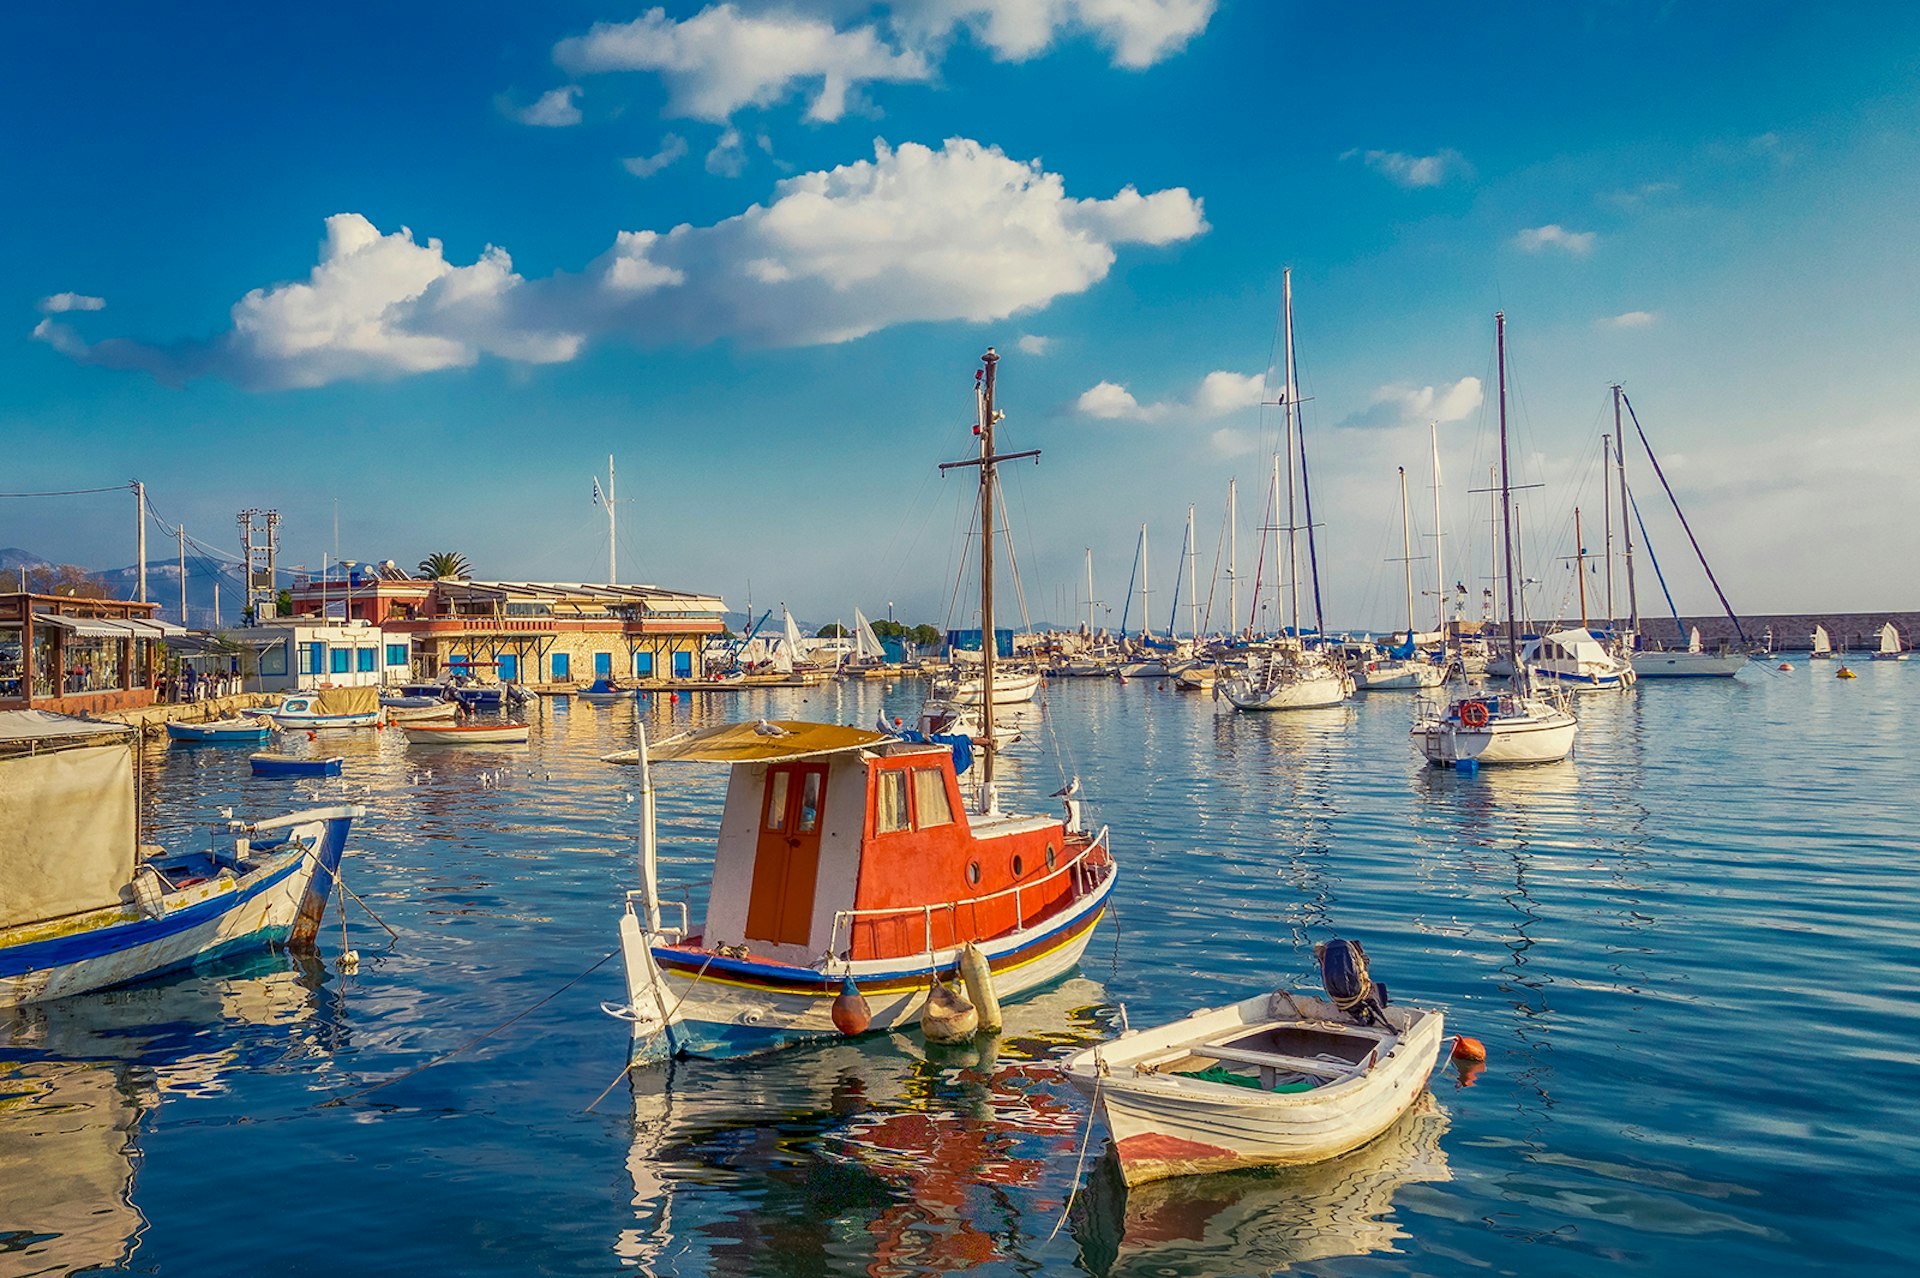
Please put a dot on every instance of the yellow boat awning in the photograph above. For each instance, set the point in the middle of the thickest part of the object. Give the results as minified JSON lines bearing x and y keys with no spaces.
{"x":763,"y":742}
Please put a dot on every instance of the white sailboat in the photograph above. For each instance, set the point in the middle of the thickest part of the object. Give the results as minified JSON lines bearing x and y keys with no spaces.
{"x":1506,"y":727}
{"x":1288,"y":674}
{"x":1822,"y":644}
{"x":1890,"y":649}
{"x":1404,"y":670}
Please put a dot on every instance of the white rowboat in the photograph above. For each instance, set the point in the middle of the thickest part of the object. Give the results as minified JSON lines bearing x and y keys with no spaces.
{"x":465,"y":733}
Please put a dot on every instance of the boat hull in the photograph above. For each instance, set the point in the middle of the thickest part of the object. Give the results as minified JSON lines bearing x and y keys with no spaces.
{"x":227,"y":730}
{"x":1166,"y":1125}
{"x":282,"y":900}
{"x":1304,"y":694}
{"x":1398,"y":676}
{"x":323,"y":722}
{"x":294,"y":765}
{"x":718,"y":1007}
{"x":1688,"y":665}
{"x":467,"y":734}
{"x":1506,"y":742}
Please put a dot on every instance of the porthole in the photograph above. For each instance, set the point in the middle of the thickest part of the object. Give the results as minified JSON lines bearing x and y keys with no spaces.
{"x":1052,"y":856}
{"x":973,"y":873}
{"x":1019,"y":866}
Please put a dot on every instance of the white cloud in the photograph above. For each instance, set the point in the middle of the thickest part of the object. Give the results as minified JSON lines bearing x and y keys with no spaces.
{"x":1415,"y":170}
{"x":1628,"y":319}
{"x":913,"y":235}
{"x":1034,"y":344}
{"x":1539,"y":238}
{"x":62,"y":302}
{"x":1138,"y":33}
{"x":556,"y":109}
{"x":672,"y":148}
{"x":1401,"y":405}
{"x":1219,"y":393}
{"x":728,"y":158}
{"x":721,"y":59}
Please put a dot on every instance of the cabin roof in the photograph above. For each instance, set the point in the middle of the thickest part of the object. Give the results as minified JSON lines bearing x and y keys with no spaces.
{"x":764,"y":742}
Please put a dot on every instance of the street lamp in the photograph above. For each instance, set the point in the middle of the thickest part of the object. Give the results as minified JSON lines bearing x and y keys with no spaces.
{"x":889,"y":612}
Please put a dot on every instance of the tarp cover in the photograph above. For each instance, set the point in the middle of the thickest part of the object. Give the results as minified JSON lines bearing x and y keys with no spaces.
{"x":764,"y":742}
{"x":67,"y":832}
{"x":347,"y":701}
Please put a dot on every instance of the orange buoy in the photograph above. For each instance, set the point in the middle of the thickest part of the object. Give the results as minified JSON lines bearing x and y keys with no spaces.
{"x":851,"y":1015}
{"x":312,"y":737}
{"x":1468,"y":1049}
{"x":673,"y":698}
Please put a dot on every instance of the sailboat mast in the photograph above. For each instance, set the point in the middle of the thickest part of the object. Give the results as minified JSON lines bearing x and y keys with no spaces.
{"x":1193,"y":583}
{"x":1439,"y":538}
{"x":1506,"y":490}
{"x":1606,"y":495}
{"x":1089,"y":593}
{"x":1146,"y":595}
{"x":1493,"y":546}
{"x":1580,"y":565}
{"x":988,"y":643}
{"x":613,"y":564}
{"x":1306,"y":484}
{"x":1626,"y":518}
{"x":1406,"y":550}
{"x":1293,"y":522}
{"x":1233,"y":553}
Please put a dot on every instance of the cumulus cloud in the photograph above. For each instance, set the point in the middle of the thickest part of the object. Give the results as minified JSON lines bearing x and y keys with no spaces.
{"x":60,"y":303}
{"x":1627,"y":319}
{"x":722,"y":59}
{"x":1034,"y":344}
{"x":556,"y":109}
{"x":1401,"y":405}
{"x":1137,"y":33}
{"x":1415,"y":170}
{"x":672,"y":148}
{"x":915,"y":234}
{"x":1219,"y":393}
{"x":1537,"y":239}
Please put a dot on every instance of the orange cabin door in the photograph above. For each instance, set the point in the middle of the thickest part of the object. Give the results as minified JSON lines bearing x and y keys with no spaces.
{"x":787,"y":854}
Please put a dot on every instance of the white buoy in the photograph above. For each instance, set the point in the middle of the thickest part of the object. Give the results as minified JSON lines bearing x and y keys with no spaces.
{"x":978,"y":975}
{"x":947,"y":1017}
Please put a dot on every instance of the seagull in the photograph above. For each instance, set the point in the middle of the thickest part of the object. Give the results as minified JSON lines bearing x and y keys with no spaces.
{"x":765,"y":729}
{"x":1068,"y":790}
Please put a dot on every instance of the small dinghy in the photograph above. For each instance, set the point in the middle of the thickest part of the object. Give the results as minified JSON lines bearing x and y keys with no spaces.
{"x":295,"y":765}
{"x":465,"y":733}
{"x":1275,"y":1079}
{"x":238,"y":728}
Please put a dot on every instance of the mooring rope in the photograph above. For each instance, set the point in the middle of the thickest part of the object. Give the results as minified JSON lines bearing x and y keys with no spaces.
{"x":671,"y":1013}
{"x":1086,"y":1138}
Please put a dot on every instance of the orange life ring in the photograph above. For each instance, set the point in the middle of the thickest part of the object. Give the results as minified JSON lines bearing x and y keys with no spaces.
{"x":1473,"y":714}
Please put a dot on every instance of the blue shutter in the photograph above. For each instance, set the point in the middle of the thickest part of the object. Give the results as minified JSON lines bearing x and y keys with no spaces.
{"x":561,"y":668}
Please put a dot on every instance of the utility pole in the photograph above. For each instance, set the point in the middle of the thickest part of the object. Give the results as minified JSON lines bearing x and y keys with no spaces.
{"x":140,"y":533}
{"x":181,"y":533}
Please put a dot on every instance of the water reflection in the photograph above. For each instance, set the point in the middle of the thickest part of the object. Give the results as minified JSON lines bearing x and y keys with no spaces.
{"x":79,"y":1076}
{"x":1259,"y":1221}
{"x":878,"y":1152}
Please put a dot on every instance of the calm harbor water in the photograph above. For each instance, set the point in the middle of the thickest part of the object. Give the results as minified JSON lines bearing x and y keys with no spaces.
{"x":1692,"y":954}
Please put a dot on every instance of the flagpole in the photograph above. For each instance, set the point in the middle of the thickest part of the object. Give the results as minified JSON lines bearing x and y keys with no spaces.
{"x":613,"y":572}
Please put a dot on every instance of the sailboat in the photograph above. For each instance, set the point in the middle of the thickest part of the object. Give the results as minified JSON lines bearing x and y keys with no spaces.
{"x":1287,"y":674}
{"x":1402,"y":668}
{"x":1822,"y":644}
{"x":1890,"y":649}
{"x":1499,"y":727}
{"x":869,"y":660}
{"x":851,"y":877}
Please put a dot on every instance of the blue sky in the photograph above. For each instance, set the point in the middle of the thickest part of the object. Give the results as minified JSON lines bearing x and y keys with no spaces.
{"x":436,"y":263}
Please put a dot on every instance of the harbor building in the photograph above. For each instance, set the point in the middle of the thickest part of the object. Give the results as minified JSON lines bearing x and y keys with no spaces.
{"x":72,"y":655}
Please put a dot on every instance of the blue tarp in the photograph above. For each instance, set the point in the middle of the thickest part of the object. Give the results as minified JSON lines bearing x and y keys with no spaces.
{"x":969,"y":640}
{"x":962,"y":747}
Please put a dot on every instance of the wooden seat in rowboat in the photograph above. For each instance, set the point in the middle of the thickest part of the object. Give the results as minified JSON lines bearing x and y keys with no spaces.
{"x":1276,"y":1061}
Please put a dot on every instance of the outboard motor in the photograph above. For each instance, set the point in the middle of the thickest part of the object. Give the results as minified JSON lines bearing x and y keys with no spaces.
{"x":1343,"y":972}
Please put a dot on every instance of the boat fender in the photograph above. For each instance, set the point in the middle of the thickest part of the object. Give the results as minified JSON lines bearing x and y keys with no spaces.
{"x":978,"y":975}
{"x":947,"y":1017}
{"x":1468,"y":1049}
{"x":851,"y":1015}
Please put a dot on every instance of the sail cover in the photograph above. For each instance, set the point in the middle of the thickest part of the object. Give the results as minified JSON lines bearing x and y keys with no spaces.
{"x":67,"y":823}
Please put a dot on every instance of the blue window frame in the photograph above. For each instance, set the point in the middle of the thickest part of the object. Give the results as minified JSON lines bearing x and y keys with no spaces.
{"x":509,"y":667}
{"x":643,"y":665}
{"x":397,"y":654}
{"x":342,"y":661}
{"x":603,"y":665}
{"x":562,"y":669}
{"x":313,"y":658}
{"x":683,"y":665}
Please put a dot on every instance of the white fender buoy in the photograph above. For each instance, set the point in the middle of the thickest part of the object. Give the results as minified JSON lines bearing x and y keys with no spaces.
{"x":978,"y":975}
{"x":947,"y":1016}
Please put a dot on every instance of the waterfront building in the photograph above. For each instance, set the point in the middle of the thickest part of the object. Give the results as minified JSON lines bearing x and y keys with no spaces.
{"x":72,"y":655}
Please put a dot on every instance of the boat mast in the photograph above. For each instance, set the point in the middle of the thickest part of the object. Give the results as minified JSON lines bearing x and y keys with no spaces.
{"x":1406,"y":550}
{"x":1506,"y":490}
{"x":1685,"y":527}
{"x":1146,"y":595}
{"x":1493,"y":545}
{"x":613,"y":568}
{"x":989,"y":645}
{"x":1233,"y":552}
{"x":1626,"y":520}
{"x":1606,"y":496}
{"x":1580,"y":565}
{"x":1089,"y":594}
{"x":1193,"y":584}
{"x":1439,"y":540}
{"x":1293,"y":522}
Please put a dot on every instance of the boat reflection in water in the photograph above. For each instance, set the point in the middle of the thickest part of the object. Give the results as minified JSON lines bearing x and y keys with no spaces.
{"x":1261,"y":1220}
{"x":77,"y":1078}
{"x":881,"y":1154}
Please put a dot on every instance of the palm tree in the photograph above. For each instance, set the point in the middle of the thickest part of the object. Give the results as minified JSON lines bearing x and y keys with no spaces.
{"x":445,"y":563}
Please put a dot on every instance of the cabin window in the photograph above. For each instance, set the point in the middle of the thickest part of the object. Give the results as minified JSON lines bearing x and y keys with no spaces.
{"x":1019,"y":865}
{"x":973,"y":873}
{"x":890,"y":803}
{"x":776,"y":800}
{"x":810,"y":802}
{"x":1053,"y":857}
{"x":930,"y":805}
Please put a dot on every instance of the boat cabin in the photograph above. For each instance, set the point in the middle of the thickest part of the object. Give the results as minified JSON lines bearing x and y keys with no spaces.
{"x":835,"y":840}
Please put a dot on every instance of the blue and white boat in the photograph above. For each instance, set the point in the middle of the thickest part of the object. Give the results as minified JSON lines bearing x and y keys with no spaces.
{"x":604,"y":691}
{"x":252,"y":728}
{"x":269,"y":764}
{"x":85,"y":906}
{"x":329,"y":708}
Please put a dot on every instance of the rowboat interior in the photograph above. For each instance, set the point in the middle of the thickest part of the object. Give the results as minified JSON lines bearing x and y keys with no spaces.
{"x":1276,"y":1055}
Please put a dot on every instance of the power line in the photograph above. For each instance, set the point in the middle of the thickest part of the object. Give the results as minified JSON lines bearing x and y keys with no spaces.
{"x":72,"y":492}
